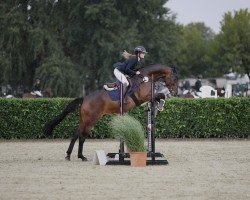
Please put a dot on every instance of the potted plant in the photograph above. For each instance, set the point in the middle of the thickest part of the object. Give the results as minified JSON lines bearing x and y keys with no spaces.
{"x":132,"y":132}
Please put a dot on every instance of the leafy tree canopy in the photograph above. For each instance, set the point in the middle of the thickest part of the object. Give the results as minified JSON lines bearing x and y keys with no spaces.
{"x":71,"y":45}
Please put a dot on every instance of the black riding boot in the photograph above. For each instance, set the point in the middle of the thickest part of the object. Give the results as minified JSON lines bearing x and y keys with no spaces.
{"x":125,"y":98}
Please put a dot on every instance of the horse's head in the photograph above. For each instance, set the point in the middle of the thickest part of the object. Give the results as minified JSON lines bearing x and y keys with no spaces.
{"x":165,"y":79}
{"x":171,"y":81}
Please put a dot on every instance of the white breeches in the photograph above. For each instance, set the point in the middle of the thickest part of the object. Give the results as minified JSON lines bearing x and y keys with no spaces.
{"x":121,"y":77}
{"x":38,"y":93}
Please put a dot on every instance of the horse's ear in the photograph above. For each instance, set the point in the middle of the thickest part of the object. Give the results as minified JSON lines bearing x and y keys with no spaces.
{"x":126,"y":55}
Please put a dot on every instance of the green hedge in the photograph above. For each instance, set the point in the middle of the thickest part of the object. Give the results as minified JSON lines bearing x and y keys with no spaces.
{"x":205,"y":118}
{"x":182,"y":118}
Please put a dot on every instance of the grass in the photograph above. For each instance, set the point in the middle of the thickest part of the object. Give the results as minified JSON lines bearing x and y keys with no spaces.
{"x":130,"y":130}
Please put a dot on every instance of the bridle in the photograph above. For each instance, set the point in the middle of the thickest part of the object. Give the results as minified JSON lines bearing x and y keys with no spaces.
{"x":168,"y":91}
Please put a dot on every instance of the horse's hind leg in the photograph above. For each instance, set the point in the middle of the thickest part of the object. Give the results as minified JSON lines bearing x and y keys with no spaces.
{"x":71,"y":145}
{"x":77,"y":134}
{"x":86,"y":127}
{"x":81,"y":130}
{"x":82,"y":135}
{"x":81,"y":141}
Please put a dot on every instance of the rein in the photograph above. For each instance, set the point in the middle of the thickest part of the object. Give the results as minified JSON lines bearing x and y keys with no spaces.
{"x":146,"y":77}
{"x":172,"y":76}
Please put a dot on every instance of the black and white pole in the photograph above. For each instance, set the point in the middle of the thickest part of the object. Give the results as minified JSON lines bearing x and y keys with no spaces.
{"x":149,"y":130}
{"x":121,"y":150}
{"x":151,"y":123}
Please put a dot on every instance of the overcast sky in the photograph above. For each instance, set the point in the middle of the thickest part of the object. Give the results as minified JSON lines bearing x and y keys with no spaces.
{"x":208,"y":11}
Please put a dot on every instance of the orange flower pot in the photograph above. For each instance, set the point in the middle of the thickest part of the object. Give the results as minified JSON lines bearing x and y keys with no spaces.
{"x":138,"y":159}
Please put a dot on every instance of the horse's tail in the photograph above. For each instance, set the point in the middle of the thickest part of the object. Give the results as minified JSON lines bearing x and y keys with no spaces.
{"x":49,"y":126}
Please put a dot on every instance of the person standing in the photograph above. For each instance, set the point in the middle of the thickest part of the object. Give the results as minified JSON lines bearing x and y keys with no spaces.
{"x":198,"y":84}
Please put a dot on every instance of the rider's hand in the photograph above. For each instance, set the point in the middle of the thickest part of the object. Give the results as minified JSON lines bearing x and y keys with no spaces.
{"x":137,"y":72}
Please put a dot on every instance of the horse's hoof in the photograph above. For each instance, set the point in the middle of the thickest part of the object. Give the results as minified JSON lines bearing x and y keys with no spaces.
{"x":83,"y":158}
{"x":67,"y":158}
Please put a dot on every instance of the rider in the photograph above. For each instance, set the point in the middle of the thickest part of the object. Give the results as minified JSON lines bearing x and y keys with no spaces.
{"x":36,"y":88}
{"x":128,"y":67}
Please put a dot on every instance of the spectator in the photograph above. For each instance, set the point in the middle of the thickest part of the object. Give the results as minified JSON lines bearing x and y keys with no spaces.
{"x":186,"y":85}
{"x":9,"y":91}
{"x":198,"y":84}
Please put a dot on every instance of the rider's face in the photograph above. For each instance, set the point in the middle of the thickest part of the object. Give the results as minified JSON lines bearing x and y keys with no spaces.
{"x":141,"y":55}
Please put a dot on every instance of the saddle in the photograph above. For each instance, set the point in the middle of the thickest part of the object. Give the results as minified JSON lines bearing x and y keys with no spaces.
{"x":116,"y":85}
{"x":111,"y":86}
{"x":113,"y":90}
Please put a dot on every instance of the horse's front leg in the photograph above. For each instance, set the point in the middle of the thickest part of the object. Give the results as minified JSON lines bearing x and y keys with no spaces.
{"x":159,"y":96}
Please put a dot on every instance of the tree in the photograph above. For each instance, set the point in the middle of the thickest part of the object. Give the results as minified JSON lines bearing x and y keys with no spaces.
{"x":100,"y":31}
{"x":232,"y":45}
{"x":194,"y":48}
{"x":28,"y":41}
{"x":157,"y":29}
{"x":71,"y":43}
{"x":13,"y":36}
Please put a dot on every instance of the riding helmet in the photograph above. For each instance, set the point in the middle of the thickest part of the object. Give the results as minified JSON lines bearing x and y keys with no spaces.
{"x":139,"y":49}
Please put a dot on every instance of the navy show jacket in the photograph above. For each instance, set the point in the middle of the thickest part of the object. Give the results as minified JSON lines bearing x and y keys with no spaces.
{"x":128,"y":66}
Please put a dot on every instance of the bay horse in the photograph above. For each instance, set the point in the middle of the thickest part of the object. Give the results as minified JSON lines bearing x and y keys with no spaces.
{"x":98,"y":103}
{"x":45,"y":92}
